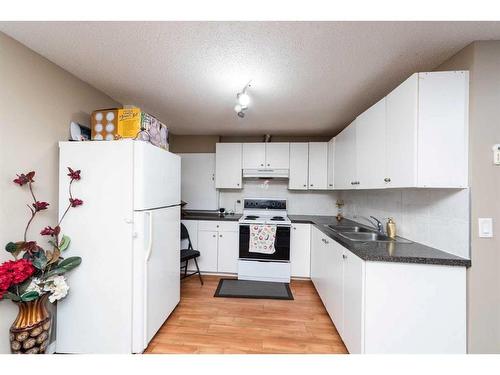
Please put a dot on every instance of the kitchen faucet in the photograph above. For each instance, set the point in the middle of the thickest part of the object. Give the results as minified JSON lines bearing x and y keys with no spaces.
{"x":377,"y":223}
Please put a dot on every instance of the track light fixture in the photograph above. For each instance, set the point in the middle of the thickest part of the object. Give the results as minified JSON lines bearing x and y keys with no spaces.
{"x":242,"y":101}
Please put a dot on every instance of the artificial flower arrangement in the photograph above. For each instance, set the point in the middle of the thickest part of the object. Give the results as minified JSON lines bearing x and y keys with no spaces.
{"x":35,"y":272}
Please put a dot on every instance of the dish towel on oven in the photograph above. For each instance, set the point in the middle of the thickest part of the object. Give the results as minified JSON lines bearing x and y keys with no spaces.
{"x":262,"y":239}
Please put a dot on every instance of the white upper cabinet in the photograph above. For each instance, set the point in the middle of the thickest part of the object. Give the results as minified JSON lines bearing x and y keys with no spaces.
{"x":443,"y":128}
{"x":370,"y":147}
{"x":254,"y":155}
{"x":278,"y":155}
{"x":318,"y":165}
{"x":401,"y":131}
{"x":427,"y":131}
{"x":266,"y":155}
{"x":228,"y":166}
{"x":345,"y":158}
{"x":299,"y":166}
{"x":331,"y":164}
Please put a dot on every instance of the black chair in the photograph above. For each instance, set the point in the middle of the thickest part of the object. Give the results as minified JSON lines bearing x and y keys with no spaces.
{"x":189,"y":253}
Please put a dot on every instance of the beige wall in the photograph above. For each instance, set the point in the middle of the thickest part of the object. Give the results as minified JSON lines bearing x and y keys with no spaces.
{"x":37,"y":102}
{"x":206,"y":143}
{"x":482,"y":59}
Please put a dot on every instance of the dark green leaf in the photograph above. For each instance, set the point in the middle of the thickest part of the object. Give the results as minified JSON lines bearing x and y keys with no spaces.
{"x":66,"y":265}
{"x":23,"y":286}
{"x":12,"y":296}
{"x":40,"y":260}
{"x":65,"y":241}
{"x":14,"y":248}
{"x":29,"y":296}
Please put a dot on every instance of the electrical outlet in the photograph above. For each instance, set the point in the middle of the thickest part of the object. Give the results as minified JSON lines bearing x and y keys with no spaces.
{"x":496,"y":154}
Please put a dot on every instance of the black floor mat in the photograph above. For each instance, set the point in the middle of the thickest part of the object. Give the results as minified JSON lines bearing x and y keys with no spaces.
{"x":233,"y":288}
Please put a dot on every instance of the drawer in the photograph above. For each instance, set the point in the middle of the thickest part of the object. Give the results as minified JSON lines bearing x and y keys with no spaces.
{"x":264,"y":271}
{"x":222,"y":226}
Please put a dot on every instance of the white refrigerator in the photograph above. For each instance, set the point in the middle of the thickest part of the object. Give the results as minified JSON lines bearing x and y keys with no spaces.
{"x":127,"y":232}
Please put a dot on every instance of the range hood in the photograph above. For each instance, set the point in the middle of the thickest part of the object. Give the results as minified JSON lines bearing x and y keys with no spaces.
{"x":265,"y":173}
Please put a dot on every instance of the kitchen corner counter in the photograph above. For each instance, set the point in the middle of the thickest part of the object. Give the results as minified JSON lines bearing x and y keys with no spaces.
{"x":208,"y":215}
{"x":382,"y":251}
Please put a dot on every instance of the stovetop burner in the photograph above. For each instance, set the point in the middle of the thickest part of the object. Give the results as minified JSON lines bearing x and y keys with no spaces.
{"x":277,"y":218}
{"x":251,"y":217}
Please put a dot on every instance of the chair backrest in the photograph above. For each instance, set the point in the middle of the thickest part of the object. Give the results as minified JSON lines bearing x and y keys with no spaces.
{"x":185,"y":235}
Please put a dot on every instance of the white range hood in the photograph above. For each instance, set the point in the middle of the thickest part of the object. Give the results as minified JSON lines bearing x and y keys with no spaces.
{"x":265,"y":173}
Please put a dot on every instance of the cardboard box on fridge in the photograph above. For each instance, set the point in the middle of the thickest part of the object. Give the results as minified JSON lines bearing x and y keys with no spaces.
{"x":114,"y":123}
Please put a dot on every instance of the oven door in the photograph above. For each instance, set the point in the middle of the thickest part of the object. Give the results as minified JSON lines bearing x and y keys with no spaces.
{"x":281,"y":244}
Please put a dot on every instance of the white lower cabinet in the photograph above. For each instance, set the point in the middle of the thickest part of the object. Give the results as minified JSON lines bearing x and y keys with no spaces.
{"x":300,"y":250}
{"x":228,"y":252}
{"x":218,"y":244}
{"x":389,"y":307}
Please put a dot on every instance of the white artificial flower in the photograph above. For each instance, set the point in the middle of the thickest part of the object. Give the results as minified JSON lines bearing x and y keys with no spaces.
{"x":57,"y":286}
{"x":34,"y":286}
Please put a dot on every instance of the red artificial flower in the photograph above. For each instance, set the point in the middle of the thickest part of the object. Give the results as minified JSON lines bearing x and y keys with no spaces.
{"x":23,"y":179}
{"x":17,"y":270}
{"x":49,"y":231}
{"x":75,"y":202}
{"x":5,"y":283}
{"x":75,"y":175}
{"x":39,"y":206}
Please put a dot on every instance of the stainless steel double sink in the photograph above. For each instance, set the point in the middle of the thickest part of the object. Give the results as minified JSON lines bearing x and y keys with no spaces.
{"x":362,"y":234}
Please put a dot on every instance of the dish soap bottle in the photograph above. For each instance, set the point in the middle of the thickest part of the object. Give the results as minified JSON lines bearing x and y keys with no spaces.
{"x":391,"y":228}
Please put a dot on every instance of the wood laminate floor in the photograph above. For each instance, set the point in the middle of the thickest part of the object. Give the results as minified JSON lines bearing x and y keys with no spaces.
{"x":202,"y":323}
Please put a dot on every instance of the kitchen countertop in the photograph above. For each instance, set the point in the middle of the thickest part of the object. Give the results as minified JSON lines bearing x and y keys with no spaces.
{"x":382,"y":251}
{"x":207,"y":215}
{"x":412,"y":252}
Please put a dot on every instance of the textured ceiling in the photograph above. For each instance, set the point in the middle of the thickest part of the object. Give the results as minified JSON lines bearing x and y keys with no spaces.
{"x":307,"y":77}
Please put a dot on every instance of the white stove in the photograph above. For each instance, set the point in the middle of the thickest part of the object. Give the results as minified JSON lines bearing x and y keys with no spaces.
{"x":263,"y":266}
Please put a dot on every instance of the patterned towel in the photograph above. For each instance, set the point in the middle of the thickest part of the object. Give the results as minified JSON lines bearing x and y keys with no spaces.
{"x":262,"y":239}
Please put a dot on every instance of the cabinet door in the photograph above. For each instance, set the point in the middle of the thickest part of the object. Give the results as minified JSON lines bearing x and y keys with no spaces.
{"x":228,"y":166}
{"x":207,"y":246}
{"x":331,"y":163}
{"x":300,"y":250}
{"x":443,"y":122}
{"x":228,"y":252}
{"x":299,"y":166}
{"x":336,"y":284}
{"x":278,"y":155}
{"x":352,"y":331}
{"x":317,"y":260}
{"x":318,"y":165}
{"x":401,"y":130}
{"x":345,"y":158}
{"x":254,"y":155}
{"x":370,"y":147}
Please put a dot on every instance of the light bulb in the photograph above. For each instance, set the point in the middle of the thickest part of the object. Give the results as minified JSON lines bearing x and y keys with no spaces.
{"x":237,"y":108}
{"x":243,"y":99}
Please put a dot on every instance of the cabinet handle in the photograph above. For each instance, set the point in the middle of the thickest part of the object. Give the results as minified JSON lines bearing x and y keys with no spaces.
{"x":387,"y":179}
{"x":305,"y":185}
{"x":330,"y":184}
{"x":327,"y":242}
{"x":294,"y":228}
{"x":213,"y":235}
{"x":220,"y":235}
{"x":344,"y":256}
{"x":269,"y":165}
{"x":353,"y":183}
{"x":311,"y":185}
{"x":237,"y":184}
{"x":262,"y":165}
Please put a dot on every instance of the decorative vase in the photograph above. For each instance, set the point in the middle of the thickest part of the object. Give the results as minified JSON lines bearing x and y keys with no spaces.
{"x":30,"y":332}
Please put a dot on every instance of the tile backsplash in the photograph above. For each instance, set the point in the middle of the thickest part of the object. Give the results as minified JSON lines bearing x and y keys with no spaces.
{"x":434,"y":217}
{"x":299,"y":202}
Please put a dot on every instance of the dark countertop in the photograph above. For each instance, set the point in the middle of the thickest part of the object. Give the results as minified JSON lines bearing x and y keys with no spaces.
{"x":207,"y":215}
{"x":382,"y":251}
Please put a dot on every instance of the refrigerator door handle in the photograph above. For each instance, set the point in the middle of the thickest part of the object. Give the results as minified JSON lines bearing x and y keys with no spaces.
{"x":150,"y":244}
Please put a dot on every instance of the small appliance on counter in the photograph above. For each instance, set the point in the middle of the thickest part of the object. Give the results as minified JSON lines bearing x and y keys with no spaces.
{"x":264,"y":250}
